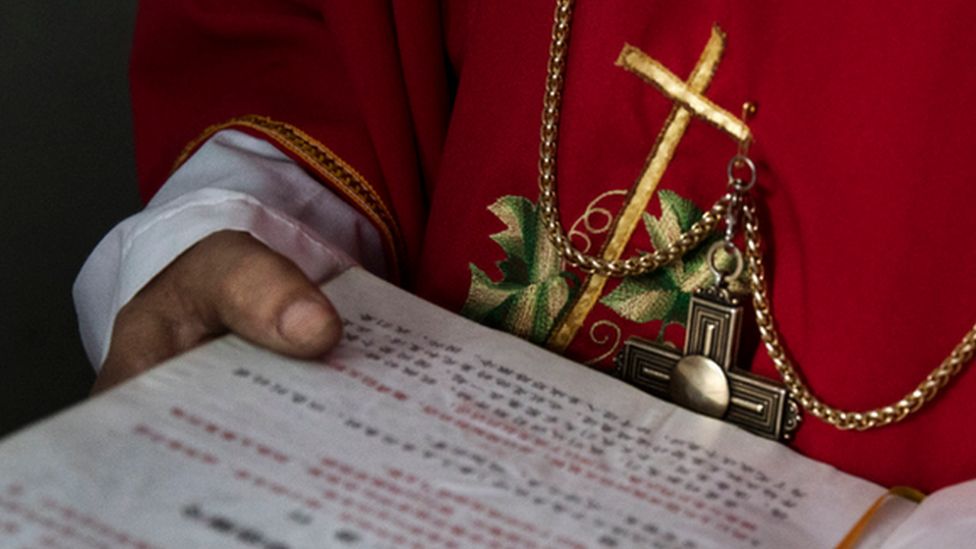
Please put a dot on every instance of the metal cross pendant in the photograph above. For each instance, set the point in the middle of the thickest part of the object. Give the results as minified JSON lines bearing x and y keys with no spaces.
{"x":705,"y":378}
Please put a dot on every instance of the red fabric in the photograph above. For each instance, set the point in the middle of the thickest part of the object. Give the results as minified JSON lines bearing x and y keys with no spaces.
{"x":331,"y":69}
{"x":862,"y":136}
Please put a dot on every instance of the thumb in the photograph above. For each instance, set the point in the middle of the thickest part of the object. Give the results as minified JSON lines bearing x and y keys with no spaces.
{"x":227,"y":281}
{"x":266,"y":299}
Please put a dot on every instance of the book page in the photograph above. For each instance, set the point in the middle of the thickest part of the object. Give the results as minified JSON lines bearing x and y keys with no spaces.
{"x":422,"y":430}
{"x":944,"y":519}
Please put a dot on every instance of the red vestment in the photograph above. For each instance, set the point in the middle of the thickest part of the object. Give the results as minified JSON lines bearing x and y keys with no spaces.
{"x":425,"y":114}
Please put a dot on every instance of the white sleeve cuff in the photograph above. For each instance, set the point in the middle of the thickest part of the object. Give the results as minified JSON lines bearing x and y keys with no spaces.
{"x":234,"y":181}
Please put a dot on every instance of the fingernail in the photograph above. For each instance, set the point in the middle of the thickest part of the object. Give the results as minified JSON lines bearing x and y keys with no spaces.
{"x":302,"y":321}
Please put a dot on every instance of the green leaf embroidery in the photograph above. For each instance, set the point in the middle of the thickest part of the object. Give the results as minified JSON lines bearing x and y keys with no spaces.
{"x":642,"y":299}
{"x":533,"y":290}
{"x":665,"y":294}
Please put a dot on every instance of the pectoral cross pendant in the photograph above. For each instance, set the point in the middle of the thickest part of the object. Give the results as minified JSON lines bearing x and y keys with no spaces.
{"x":704,"y":378}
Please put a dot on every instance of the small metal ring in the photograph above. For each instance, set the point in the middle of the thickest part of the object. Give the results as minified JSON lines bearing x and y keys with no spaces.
{"x":741,"y":185}
{"x":733,"y":251}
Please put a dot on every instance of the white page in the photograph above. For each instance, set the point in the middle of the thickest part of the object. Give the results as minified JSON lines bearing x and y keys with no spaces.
{"x":946,"y":518}
{"x":423,"y":429}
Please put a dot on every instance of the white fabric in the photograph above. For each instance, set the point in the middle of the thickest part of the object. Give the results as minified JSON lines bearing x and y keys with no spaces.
{"x":234,"y":181}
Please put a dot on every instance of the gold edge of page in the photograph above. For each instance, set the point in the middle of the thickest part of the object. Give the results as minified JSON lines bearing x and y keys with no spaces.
{"x":853,"y":536}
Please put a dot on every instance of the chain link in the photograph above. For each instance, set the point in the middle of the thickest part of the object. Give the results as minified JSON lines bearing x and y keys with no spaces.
{"x":549,"y":135}
{"x":640,"y":264}
{"x":842,"y":419}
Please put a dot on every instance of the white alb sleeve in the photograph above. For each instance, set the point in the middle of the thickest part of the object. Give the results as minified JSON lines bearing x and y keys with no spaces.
{"x":234,"y":181}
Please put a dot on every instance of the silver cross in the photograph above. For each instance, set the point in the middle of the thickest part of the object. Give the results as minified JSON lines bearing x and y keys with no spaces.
{"x":704,"y":378}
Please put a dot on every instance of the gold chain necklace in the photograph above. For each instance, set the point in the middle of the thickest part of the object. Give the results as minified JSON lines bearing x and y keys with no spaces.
{"x":645,"y":263}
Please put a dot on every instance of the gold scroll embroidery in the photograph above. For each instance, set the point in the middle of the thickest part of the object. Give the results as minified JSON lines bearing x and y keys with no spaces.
{"x":689,"y":102}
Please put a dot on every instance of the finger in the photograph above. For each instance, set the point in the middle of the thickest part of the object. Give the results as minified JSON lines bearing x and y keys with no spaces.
{"x":141,"y":339}
{"x":266,"y":299}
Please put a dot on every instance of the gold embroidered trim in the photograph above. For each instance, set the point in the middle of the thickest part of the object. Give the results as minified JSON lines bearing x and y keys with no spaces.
{"x":660,"y":156}
{"x":344,"y":178}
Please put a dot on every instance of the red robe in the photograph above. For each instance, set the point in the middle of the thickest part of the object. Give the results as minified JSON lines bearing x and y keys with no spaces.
{"x":425,"y":114}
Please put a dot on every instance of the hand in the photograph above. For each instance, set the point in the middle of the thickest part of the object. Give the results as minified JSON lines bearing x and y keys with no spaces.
{"x":227,"y":282}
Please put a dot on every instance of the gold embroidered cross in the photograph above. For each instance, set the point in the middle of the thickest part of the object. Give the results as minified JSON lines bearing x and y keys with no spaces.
{"x":688,"y":101}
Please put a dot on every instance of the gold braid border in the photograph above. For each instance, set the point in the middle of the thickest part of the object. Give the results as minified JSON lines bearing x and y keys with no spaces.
{"x":348,"y":182}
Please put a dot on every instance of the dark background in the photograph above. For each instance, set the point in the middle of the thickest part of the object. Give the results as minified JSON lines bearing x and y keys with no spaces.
{"x":67,"y":175}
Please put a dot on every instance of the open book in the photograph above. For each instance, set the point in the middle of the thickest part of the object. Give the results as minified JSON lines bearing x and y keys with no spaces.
{"x":423,"y":430}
